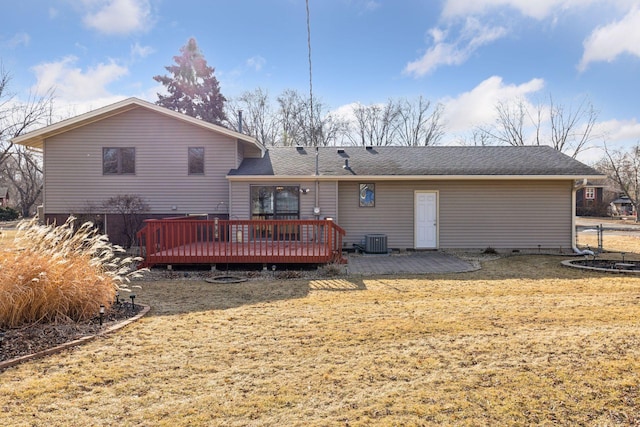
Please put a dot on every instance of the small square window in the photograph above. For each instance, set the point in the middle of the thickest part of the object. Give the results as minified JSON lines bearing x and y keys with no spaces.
{"x":196,"y":160}
{"x":118,"y":161}
{"x":367,"y":195}
{"x":590,"y":193}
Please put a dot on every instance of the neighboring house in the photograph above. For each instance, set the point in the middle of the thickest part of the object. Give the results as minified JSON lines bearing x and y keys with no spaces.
{"x":590,"y":199}
{"x":4,"y":197}
{"x":417,"y":197}
{"x":622,"y":206}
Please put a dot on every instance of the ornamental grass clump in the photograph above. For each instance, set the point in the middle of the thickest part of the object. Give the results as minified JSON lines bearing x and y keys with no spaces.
{"x":52,"y":274}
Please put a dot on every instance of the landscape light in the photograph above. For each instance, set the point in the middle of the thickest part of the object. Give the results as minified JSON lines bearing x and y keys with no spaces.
{"x":101,"y":313}
{"x":117,"y":297}
{"x":133,"y":297}
{"x":1,"y":338}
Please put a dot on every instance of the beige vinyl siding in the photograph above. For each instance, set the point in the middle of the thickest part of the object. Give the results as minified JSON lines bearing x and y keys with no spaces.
{"x":250,"y":151}
{"x":241,"y":193}
{"x":328,"y":199}
{"x":73,"y":163}
{"x":240,"y":155}
{"x":472,"y":214}
{"x":239,"y":201}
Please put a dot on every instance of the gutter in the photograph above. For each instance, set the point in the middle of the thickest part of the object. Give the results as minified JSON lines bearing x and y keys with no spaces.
{"x":351,"y":177}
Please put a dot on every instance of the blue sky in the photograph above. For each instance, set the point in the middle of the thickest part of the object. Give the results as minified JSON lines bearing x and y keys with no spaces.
{"x":467,"y":55}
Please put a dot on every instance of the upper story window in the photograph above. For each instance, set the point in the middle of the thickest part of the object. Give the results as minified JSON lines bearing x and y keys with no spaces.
{"x":196,"y":160}
{"x":590,"y":193}
{"x":118,"y":161}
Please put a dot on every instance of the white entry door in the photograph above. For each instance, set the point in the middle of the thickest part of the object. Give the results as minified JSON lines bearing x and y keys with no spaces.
{"x":426,"y":219}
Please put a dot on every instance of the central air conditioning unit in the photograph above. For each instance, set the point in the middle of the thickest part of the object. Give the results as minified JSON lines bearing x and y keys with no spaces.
{"x":375,"y":243}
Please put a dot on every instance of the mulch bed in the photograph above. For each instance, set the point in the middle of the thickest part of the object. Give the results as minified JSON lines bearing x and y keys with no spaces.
{"x":35,"y":338}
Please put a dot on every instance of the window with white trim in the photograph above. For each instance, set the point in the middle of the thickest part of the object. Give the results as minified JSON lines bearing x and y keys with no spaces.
{"x":590,"y":193}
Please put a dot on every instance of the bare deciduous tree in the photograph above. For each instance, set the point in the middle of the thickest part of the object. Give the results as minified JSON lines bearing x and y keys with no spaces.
{"x":17,"y":117}
{"x":509,"y":128}
{"x":568,"y":129}
{"x":24,"y":170}
{"x":294,"y":118}
{"x":375,"y":124}
{"x":419,"y":124}
{"x":624,"y":168}
{"x":571,"y":127}
{"x":292,"y":114}
{"x":130,"y":207}
{"x":404,"y":122}
{"x":21,"y":167}
{"x":258,"y":117}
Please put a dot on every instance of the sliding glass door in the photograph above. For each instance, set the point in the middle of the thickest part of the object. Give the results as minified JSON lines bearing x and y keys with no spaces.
{"x":275,"y":202}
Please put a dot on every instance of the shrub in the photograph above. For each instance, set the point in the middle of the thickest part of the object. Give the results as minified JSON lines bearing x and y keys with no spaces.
{"x":58,"y":274}
{"x":8,"y":214}
{"x":331,"y":270}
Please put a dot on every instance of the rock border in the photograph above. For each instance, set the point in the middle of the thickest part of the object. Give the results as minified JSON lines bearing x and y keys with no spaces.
{"x":59,"y":348}
{"x":569,"y":263}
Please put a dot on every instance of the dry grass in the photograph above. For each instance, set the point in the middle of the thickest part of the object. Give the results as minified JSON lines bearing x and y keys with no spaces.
{"x":51,"y":274}
{"x":521,"y":342}
{"x":611,"y":242}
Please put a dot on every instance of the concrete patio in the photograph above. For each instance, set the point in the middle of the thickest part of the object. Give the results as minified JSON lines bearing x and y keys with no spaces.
{"x":408,"y":263}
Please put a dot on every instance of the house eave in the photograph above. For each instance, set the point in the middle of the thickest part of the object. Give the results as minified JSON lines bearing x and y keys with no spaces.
{"x":253,"y":178}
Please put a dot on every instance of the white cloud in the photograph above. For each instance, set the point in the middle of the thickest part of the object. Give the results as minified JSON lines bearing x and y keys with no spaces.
{"x":118,"y":17}
{"x":71,"y":83}
{"x":608,"y":42}
{"x":537,"y":9}
{"x":618,"y":130}
{"x":138,"y":51}
{"x":471,"y":37}
{"x":18,"y":39}
{"x":256,"y":62}
{"x":477,"y":107}
{"x":372,"y":5}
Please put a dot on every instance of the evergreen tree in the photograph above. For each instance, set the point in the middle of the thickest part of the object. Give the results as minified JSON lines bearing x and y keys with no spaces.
{"x":193,"y":89}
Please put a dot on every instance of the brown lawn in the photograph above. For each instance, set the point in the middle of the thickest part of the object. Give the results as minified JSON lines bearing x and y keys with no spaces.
{"x":522,"y":341}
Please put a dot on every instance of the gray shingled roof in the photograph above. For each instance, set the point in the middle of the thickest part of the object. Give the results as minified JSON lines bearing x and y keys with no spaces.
{"x":415,"y":161}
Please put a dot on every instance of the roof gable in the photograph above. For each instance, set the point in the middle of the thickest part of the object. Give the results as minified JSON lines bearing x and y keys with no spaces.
{"x":36,"y":138}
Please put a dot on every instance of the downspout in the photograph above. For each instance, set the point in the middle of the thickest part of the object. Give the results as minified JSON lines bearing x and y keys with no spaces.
{"x":573,"y":225}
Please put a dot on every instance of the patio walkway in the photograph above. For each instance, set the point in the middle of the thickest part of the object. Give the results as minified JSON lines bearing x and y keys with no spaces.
{"x":408,"y":263}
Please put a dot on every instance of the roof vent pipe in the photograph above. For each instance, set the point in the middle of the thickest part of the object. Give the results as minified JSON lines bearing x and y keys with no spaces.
{"x":239,"y":121}
{"x":346,"y":164}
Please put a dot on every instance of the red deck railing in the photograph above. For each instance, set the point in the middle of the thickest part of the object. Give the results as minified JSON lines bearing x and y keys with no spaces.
{"x":191,"y":241}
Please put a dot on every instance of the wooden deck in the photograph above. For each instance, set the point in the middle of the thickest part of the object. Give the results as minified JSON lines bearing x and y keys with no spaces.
{"x":191,"y":241}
